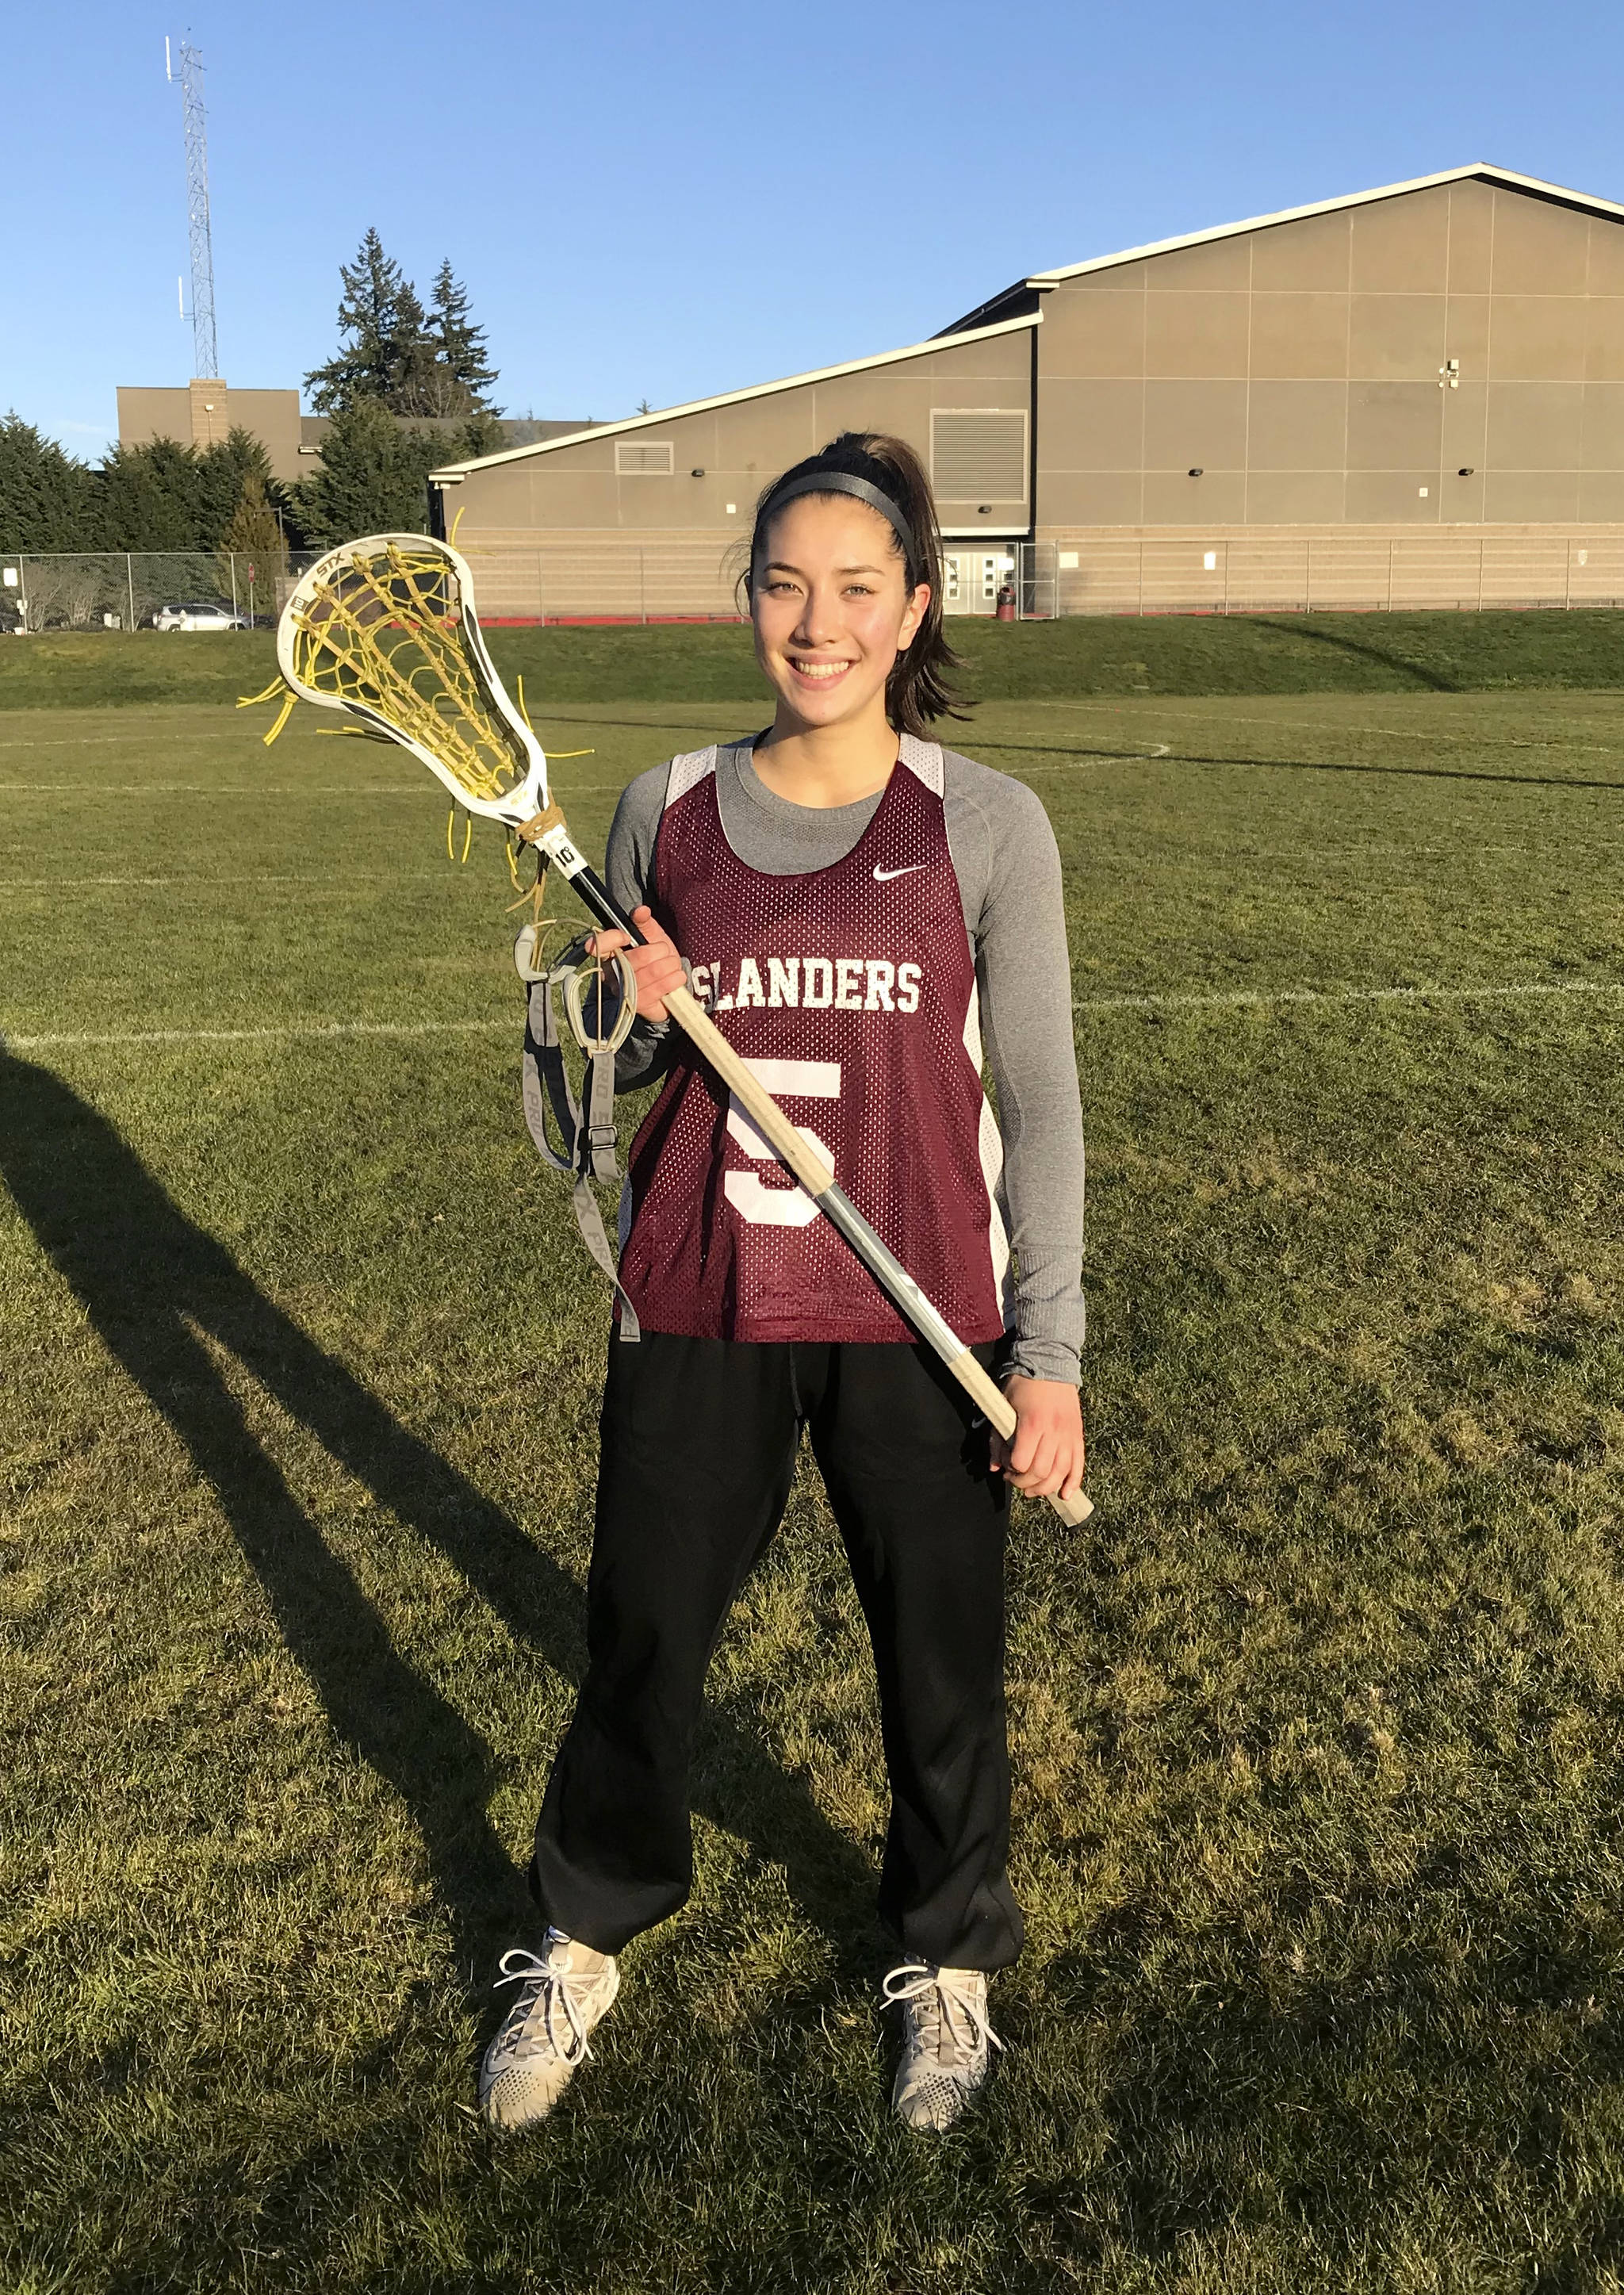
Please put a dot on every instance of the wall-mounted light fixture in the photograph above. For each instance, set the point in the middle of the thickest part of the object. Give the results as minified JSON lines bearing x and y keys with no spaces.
{"x":1195,"y":473}
{"x":984,"y":510}
{"x":1464,"y":470}
{"x":696,"y":474}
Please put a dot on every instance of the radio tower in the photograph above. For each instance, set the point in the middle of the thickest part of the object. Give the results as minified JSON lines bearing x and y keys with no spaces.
{"x":205,"y":354}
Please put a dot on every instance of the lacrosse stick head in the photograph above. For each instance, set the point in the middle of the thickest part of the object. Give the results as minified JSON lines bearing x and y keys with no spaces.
{"x":385,"y":630}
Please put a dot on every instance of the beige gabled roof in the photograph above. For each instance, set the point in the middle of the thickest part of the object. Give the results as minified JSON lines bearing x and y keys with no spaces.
{"x":453,"y":473}
{"x":1481,"y":169}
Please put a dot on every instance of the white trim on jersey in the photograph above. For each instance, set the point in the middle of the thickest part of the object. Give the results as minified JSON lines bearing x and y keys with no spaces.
{"x":686,"y":771}
{"x":924,"y":760}
{"x":990,"y":1141}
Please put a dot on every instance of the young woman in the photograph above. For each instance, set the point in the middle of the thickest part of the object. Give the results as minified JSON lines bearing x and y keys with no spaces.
{"x":860,"y":911}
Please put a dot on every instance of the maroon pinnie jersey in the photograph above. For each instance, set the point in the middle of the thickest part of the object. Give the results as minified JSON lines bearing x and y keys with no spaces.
{"x":851,"y":991}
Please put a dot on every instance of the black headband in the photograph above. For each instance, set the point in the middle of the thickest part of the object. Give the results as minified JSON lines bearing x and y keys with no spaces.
{"x":846,"y":482}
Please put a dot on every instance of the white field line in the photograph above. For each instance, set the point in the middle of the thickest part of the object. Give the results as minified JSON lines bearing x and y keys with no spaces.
{"x":307,"y":733}
{"x":1334,"y":765}
{"x":201,"y":885}
{"x":1107,"y":707}
{"x":317,"y":1030}
{"x":1242,"y":997}
{"x":1557,"y":853}
{"x":290,"y":1031}
{"x":254,"y":790}
{"x":1283,"y":723}
{"x":248,"y":792}
{"x":119,"y":740}
{"x":1358,"y":848}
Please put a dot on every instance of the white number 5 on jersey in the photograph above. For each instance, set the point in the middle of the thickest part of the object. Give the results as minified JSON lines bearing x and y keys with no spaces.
{"x":748,"y":1193}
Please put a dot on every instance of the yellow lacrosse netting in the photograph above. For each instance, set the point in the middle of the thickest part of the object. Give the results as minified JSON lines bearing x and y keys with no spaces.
{"x":385,"y":631}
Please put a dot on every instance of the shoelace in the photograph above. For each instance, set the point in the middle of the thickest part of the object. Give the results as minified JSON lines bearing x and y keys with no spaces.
{"x":914,"y":1979}
{"x":554,"y":1987}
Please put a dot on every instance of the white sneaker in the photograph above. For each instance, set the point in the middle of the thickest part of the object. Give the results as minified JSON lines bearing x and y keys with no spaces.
{"x":543,"y":2035}
{"x":947,"y":2041}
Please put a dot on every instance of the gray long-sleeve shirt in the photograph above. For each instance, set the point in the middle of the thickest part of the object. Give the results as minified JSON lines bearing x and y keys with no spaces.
{"x":1009,"y":870}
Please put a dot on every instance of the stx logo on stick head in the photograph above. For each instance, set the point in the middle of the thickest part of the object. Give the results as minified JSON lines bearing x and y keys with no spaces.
{"x":808,"y":984}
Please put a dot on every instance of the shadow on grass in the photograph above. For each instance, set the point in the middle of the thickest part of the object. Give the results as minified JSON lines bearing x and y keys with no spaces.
{"x":1121,"y":756}
{"x":150,"y":1279}
{"x":1302,"y":627}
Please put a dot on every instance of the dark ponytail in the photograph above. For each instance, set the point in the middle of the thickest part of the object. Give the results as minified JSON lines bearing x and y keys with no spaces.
{"x":917,"y":690}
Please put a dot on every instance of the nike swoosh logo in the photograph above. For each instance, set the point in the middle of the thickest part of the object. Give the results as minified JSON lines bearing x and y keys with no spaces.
{"x":883,"y":876}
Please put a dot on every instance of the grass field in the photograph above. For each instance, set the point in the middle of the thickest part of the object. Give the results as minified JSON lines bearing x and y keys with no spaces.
{"x":1172,"y":654}
{"x":1318,"y":1729}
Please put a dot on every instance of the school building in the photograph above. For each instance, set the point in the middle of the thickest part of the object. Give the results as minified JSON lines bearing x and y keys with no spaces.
{"x":1410,"y":396}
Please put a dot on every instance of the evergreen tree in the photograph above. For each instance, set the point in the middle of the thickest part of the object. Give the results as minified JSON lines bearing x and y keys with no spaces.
{"x":251,"y":548}
{"x":374,"y":472}
{"x":149,"y":498}
{"x":46,"y":496}
{"x":481,"y":434}
{"x":423,"y":389}
{"x":459,"y":346}
{"x":373,"y":478}
{"x":223,"y":475}
{"x":429,"y":365}
{"x":382,"y":318}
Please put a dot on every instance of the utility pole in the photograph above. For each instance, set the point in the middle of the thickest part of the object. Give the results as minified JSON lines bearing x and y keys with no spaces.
{"x":205,"y":353}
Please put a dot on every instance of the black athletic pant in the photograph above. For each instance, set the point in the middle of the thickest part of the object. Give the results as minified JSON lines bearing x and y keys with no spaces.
{"x":699,"y":1442}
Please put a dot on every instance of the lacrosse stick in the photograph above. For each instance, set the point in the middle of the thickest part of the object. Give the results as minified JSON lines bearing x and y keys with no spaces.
{"x":385,"y":630}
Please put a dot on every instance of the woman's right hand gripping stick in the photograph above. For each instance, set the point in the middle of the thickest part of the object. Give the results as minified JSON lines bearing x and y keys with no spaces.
{"x":658,"y":967}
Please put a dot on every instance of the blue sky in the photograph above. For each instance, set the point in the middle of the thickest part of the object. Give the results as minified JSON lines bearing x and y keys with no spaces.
{"x":659,"y":202}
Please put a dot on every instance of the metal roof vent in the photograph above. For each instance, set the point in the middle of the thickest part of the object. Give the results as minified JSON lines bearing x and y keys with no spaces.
{"x":978,"y":453}
{"x":644,"y":458}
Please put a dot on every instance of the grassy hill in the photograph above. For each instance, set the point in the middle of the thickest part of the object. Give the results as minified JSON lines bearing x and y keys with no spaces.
{"x":1173,"y":654}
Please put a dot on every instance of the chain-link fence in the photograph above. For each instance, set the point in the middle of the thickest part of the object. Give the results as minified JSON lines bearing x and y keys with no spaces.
{"x":1097,"y":572}
{"x":556,"y":580}
{"x":553,"y":581}
{"x":130,"y":589}
{"x":1104,"y":573}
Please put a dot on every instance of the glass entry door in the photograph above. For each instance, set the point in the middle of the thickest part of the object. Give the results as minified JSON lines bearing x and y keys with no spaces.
{"x":973,"y":578}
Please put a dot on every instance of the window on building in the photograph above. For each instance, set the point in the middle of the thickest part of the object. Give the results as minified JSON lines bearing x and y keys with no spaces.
{"x":978,"y":453}
{"x":644,"y":458}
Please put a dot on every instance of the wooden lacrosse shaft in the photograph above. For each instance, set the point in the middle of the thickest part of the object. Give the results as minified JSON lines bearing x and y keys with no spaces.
{"x":810,"y":1169}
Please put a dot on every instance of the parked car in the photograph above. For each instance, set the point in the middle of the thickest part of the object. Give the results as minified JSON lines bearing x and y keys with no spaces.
{"x":199,"y":614}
